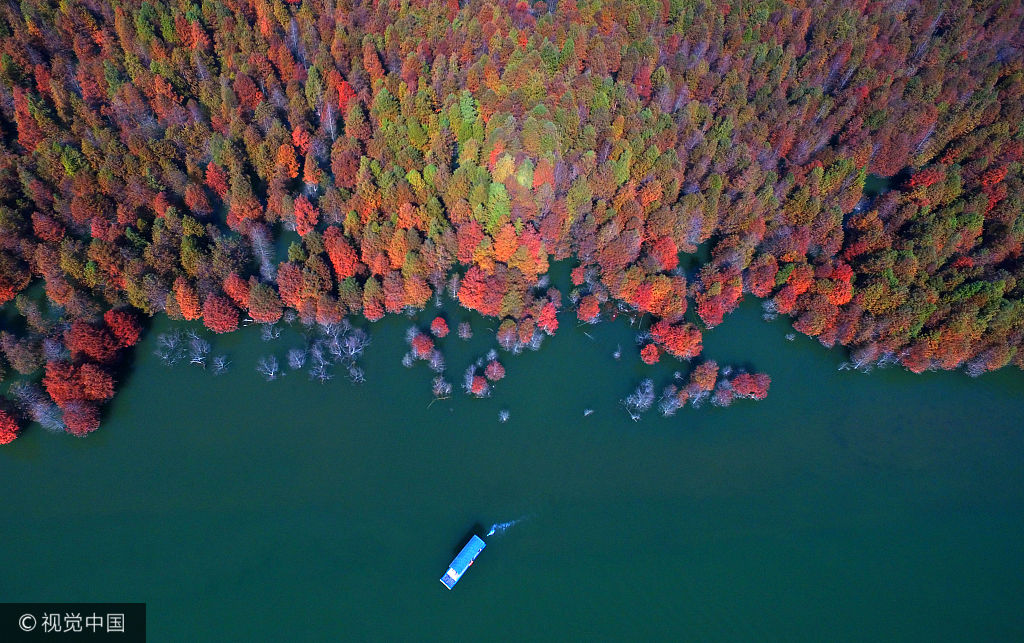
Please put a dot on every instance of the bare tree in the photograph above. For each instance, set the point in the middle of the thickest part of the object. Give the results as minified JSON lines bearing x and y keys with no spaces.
{"x":37,"y":406}
{"x":269,"y":332}
{"x":355,"y":343}
{"x":296,"y":358}
{"x":198,"y":349}
{"x":436,"y":361}
{"x":320,"y":372}
{"x":640,"y":400}
{"x":356,"y":375}
{"x":442,"y":388}
{"x":220,"y":364}
{"x":54,"y":349}
{"x":263,"y":250}
{"x":170,"y":347}
{"x":268,"y":367}
{"x":669,"y":403}
{"x":327,"y":119}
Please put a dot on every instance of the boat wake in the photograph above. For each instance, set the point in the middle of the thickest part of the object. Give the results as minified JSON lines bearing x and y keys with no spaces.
{"x":502,"y":527}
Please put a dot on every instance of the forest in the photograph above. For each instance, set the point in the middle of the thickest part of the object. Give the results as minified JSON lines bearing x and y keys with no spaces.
{"x":154,"y":153}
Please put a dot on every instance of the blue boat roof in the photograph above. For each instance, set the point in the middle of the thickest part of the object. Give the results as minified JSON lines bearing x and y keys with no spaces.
{"x":468,"y":554}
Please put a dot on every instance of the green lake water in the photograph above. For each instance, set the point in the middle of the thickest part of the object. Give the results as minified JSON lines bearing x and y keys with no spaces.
{"x":845,"y":506}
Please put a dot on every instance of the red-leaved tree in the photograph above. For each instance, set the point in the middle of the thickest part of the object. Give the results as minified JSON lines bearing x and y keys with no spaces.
{"x":680,"y":340}
{"x":8,"y":427}
{"x":650,"y":354}
{"x":84,"y":339}
{"x":219,"y":314}
{"x":306,"y":216}
{"x":754,"y":386}
{"x":439,"y":327}
{"x":589,"y":309}
{"x":494,"y":371}
{"x":422,"y":345}
{"x":124,"y":325}
{"x":81,"y":418}
{"x":547,"y":321}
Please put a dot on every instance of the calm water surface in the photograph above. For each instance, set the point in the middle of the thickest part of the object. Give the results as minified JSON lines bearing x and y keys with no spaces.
{"x":843,"y":507}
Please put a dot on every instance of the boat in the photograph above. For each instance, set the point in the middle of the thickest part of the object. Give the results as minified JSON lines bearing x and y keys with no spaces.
{"x":463,"y":561}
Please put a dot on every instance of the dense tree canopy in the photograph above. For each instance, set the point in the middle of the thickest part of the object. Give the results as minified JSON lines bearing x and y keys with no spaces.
{"x":151,"y":151}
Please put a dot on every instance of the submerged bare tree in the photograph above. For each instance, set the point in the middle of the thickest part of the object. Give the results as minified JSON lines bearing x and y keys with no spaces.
{"x":263,"y":250}
{"x":723,"y":395}
{"x":669,"y":402}
{"x":198,"y":349}
{"x":327,"y":345}
{"x":268,"y":367}
{"x":54,"y":349}
{"x":170,"y":347}
{"x":356,"y":375}
{"x":863,"y":358}
{"x":355,"y":343}
{"x":219,"y":365}
{"x":467,"y":377}
{"x":296,"y":358}
{"x":508,"y":341}
{"x":269,"y":332}
{"x":536,"y":340}
{"x":698,"y":397}
{"x":38,"y":406}
{"x":436,"y":361}
{"x":320,"y":373}
{"x":442,"y":388}
{"x":640,"y":401}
